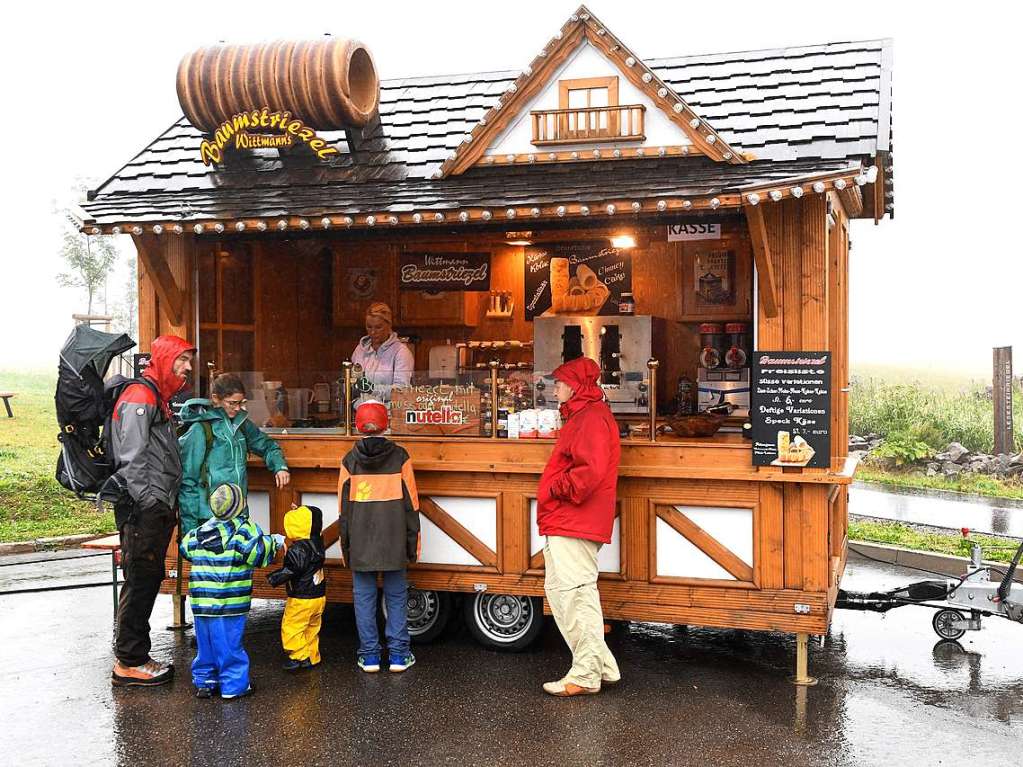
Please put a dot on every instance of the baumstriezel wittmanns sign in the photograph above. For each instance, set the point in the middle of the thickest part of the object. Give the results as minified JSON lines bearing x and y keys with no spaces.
{"x":262,"y":129}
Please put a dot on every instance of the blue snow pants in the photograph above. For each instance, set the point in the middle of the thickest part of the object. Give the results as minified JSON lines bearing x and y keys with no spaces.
{"x":220,"y":660}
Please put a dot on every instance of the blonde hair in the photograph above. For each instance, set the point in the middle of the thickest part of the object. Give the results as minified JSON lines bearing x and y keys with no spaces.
{"x":381,"y":311}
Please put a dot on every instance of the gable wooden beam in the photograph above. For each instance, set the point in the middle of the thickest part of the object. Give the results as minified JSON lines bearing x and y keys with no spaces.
{"x":531,"y":87}
{"x":153,"y":257}
{"x":613,"y":49}
{"x":762,"y":258}
{"x":852,"y":201}
{"x":585,"y":27}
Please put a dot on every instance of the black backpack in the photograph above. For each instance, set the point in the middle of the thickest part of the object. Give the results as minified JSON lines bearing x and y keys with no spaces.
{"x":84,"y":405}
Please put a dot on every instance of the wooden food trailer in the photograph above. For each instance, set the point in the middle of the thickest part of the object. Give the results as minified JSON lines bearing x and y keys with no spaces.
{"x":666,"y":217}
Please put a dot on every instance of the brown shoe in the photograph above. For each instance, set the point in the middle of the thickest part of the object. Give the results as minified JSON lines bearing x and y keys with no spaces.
{"x":564,"y":689}
{"x":149,"y":674}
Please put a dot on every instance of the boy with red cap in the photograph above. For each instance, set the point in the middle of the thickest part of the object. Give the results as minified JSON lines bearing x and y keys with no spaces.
{"x":575,"y":511}
{"x":379,"y":534}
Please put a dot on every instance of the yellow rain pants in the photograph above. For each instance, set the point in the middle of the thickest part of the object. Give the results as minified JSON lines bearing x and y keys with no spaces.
{"x":300,"y":628}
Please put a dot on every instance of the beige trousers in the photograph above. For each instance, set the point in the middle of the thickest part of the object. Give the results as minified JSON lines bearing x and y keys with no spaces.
{"x":571,"y":588}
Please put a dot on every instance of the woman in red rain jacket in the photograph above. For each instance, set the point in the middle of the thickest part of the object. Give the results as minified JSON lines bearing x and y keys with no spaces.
{"x":575,"y":511}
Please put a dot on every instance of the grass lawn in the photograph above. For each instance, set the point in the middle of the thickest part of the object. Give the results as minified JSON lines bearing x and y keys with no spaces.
{"x":898,"y":534}
{"x":32,"y":504}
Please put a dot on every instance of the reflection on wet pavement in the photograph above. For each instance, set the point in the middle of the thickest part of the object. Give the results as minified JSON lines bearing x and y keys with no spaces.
{"x":889,"y":693}
{"x":982,"y":515}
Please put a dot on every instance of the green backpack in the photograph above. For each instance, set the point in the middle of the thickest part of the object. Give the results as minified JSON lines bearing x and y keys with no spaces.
{"x":207,"y":430}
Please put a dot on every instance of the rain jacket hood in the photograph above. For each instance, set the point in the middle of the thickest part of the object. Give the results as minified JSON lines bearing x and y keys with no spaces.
{"x":160,"y":371}
{"x":581,"y":374}
{"x":303,"y":522}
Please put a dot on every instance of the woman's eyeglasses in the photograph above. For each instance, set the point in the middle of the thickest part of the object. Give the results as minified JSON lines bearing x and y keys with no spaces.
{"x":234,"y":402}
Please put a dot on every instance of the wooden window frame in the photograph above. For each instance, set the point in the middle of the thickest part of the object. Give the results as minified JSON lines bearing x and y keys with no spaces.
{"x":219,"y":326}
{"x":587,"y":84}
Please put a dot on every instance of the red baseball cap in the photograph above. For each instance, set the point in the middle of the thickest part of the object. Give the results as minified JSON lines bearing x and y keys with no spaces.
{"x":371,"y":417}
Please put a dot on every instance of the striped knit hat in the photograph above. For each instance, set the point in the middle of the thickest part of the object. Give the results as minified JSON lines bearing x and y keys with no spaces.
{"x":227,"y":501}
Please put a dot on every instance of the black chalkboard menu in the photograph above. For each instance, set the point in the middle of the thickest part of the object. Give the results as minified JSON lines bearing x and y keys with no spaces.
{"x":575,"y":278}
{"x":790,"y":409}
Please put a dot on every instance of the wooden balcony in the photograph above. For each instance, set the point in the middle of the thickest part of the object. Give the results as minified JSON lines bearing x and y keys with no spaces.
{"x":588,"y":125}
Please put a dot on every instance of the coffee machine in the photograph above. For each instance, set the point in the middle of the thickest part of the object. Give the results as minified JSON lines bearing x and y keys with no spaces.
{"x":620,"y":345}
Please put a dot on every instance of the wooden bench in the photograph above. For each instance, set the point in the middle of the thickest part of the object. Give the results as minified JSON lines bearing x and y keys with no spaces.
{"x":111,"y":543}
{"x":6,"y":397}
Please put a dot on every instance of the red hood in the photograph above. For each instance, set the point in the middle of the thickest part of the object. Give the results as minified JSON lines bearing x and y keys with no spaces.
{"x":160,"y":371}
{"x":581,"y":374}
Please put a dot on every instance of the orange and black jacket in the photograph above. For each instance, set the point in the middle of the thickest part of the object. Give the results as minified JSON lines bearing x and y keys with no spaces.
{"x":379,"y":507}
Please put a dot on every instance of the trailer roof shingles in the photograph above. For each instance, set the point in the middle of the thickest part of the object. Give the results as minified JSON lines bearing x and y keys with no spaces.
{"x":797,"y":111}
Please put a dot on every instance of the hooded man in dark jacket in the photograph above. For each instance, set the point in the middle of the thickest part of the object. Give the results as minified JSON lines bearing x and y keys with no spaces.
{"x":575,"y":511}
{"x":148,"y":470}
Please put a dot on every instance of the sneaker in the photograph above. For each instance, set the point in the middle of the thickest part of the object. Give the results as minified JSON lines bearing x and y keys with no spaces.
{"x":204,"y":693}
{"x":292,"y":665}
{"x":248,"y":691}
{"x":369,"y":663}
{"x":149,"y":674}
{"x":402,"y":663}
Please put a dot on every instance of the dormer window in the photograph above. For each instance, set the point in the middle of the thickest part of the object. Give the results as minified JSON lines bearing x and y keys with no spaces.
{"x":588,"y":112}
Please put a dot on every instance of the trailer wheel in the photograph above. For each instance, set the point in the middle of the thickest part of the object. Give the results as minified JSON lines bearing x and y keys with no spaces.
{"x":504,"y":621}
{"x":428,"y":614}
{"x":944,"y":624}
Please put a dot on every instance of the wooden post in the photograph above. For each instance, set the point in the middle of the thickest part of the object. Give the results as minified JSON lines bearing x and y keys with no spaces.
{"x":493,"y":364}
{"x":346,"y":396}
{"x":802,"y":657}
{"x":1002,"y":388}
{"x":652,"y":364}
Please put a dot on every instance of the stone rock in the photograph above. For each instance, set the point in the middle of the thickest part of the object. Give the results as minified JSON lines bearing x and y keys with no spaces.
{"x":1001,"y":463}
{"x":933,"y":469}
{"x":957,"y":451}
{"x":1017,"y":460}
{"x":950,"y":469}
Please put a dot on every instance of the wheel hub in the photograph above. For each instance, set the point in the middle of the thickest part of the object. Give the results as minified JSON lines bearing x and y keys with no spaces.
{"x":503,"y":617}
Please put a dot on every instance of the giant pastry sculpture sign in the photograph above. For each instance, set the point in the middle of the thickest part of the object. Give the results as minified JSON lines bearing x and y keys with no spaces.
{"x":575,"y":278}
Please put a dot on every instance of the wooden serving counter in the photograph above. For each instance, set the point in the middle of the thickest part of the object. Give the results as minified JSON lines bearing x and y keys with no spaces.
{"x":701,"y":536}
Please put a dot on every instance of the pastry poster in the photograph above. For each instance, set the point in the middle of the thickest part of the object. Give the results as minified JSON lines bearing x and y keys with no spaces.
{"x":581,"y":278}
{"x":715,"y":278}
{"x":790,"y":409}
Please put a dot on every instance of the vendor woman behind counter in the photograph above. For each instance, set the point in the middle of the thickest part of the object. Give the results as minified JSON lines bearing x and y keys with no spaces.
{"x":385,"y":360}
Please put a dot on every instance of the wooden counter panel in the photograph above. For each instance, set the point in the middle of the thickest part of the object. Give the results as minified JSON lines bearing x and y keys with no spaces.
{"x":715,"y":459}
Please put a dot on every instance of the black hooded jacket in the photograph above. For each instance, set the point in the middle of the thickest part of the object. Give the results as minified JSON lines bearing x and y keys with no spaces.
{"x":379,"y":507}
{"x":303,"y":564}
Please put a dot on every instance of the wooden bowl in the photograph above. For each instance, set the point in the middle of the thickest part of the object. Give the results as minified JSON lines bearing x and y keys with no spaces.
{"x":699,"y":425}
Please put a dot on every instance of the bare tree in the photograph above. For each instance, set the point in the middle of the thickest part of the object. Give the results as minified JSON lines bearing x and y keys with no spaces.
{"x":88,"y":260}
{"x":126,"y":310}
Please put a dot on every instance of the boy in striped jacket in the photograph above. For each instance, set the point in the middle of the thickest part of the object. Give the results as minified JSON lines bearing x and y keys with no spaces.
{"x":223,"y":552}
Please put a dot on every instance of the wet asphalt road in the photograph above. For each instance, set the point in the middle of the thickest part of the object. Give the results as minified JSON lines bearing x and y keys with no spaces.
{"x":888,"y":694}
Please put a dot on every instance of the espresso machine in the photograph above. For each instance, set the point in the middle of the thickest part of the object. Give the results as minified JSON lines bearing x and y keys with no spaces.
{"x":620,"y":345}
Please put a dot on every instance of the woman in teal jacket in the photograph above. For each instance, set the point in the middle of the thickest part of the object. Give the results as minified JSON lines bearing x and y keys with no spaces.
{"x":216,"y":446}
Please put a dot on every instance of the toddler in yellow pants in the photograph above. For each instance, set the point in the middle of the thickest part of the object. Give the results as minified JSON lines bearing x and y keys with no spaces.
{"x":302,"y":575}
